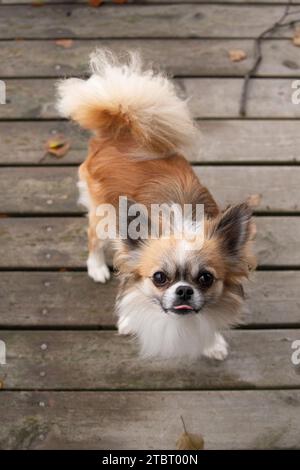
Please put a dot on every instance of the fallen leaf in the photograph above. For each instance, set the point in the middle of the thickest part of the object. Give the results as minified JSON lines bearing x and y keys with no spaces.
{"x":237,"y":55}
{"x":95,"y":3}
{"x":37,"y":3}
{"x":254,"y":200}
{"x":296,"y":38}
{"x":189,"y":441}
{"x":57,"y":145}
{"x":66,"y":43}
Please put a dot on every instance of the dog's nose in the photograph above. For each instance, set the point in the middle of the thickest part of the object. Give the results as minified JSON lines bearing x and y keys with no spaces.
{"x":184,"y":292}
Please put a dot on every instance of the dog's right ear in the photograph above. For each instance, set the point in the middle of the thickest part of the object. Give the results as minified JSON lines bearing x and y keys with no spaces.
{"x":133,"y":224}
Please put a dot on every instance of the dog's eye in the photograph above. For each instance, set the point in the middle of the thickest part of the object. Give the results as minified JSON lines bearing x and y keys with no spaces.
{"x":205,"y":279}
{"x":159,"y":278}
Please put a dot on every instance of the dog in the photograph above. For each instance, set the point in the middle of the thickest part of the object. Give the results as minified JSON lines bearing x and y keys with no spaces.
{"x":176,"y":294}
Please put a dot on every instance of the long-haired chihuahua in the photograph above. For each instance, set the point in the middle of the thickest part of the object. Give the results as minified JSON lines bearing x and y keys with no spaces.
{"x":176,"y":293}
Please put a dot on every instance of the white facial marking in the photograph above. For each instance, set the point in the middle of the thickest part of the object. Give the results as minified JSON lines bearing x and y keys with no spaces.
{"x":161,"y":334}
{"x":182,"y":249}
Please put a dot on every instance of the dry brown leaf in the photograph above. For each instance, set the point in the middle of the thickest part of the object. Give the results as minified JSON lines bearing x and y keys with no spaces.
{"x":254,"y":200}
{"x":57,"y":145}
{"x":237,"y":55}
{"x":296,"y":38}
{"x":66,"y":43}
{"x":189,"y":441}
{"x":95,"y":3}
{"x":37,"y":3}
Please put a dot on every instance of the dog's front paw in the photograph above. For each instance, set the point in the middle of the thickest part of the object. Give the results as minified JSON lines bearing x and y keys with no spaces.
{"x":219,"y":350}
{"x":98,"y":272}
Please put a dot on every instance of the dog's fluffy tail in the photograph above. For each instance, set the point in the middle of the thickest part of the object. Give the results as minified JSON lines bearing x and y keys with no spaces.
{"x":122,"y":100}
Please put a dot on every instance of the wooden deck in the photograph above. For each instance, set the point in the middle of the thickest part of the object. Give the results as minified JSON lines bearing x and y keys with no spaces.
{"x":70,"y":381}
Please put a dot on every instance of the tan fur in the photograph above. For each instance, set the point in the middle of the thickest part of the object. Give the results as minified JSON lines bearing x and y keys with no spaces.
{"x":142,"y":156}
{"x":109,"y":175}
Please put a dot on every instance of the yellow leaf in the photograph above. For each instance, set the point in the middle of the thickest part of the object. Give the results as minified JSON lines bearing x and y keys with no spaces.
{"x":57,"y":145}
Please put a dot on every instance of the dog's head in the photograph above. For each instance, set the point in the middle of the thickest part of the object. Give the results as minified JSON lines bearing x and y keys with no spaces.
{"x":181,"y":279}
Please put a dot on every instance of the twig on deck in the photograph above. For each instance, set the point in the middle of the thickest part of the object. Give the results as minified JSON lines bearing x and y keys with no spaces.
{"x":258,"y":53}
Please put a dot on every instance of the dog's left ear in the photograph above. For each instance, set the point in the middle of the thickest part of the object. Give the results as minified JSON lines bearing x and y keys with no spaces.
{"x":234,"y":228}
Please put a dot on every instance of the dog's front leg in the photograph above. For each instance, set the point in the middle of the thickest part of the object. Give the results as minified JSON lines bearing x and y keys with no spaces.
{"x":96,"y":265}
{"x":218,"y":350}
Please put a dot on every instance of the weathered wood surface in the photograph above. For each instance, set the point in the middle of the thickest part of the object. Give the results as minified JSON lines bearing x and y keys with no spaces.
{"x":221,"y":141}
{"x":137,"y":2}
{"x":57,"y":242}
{"x":161,"y":21}
{"x":149,"y":420}
{"x":208,"y":57}
{"x":43,"y":242}
{"x":53,"y":190}
{"x":72,"y":299}
{"x":208,"y":98}
{"x":104,"y":360}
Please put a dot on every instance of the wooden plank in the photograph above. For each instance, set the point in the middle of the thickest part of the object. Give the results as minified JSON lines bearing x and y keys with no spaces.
{"x":61,"y":242}
{"x":43,"y":242}
{"x":71,"y":299}
{"x":209,"y":98}
{"x":50,"y":190}
{"x":160,"y":21}
{"x":197,"y":58}
{"x":213,"y":98}
{"x":53,"y":190}
{"x":103,"y":360}
{"x":149,"y":420}
{"x":23,"y":143}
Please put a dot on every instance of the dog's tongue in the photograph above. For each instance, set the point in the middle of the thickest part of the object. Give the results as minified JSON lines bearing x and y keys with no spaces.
{"x":183,"y":307}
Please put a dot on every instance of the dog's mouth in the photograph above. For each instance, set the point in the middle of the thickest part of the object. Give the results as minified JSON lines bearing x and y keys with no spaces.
{"x":183,"y":309}
{"x":180,"y":309}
